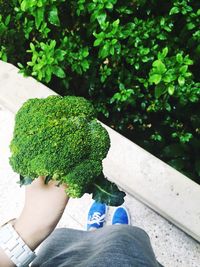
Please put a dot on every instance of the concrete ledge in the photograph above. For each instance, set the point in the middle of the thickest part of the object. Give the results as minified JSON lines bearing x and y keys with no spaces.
{"x":155,"y":183}
{"x":158,"y":185}
{"x":15,"y":89}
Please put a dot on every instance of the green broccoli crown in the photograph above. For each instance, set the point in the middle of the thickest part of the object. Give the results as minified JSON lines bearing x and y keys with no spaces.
{"x":59,"y":137}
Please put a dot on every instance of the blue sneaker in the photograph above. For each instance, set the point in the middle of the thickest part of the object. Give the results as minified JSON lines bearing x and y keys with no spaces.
{"x":121,"y":216}
{"x":96,"y":215}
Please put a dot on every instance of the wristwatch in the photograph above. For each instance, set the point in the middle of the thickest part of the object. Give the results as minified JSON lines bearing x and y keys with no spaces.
{"x":13,"y":245}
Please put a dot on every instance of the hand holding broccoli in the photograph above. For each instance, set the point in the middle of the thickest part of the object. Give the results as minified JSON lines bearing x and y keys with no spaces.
{"x":60,"y":138}
{"x":43,"y":208}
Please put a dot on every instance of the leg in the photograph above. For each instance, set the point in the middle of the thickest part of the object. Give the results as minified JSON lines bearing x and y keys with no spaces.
{"x":117,"y":245}
{"x":111,"y":246}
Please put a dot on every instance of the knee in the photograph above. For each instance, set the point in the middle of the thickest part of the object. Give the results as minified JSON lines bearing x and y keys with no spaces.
{"x":128,"y":232}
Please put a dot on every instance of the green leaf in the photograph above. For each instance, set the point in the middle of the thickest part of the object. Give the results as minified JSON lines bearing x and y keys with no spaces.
{"x":32,"y":46}
{"x":109,"y":5}
{"x":179,"y":58}
{"x":168,"y":107}
{"x":188,"y":61}
{"x":186,"y":137}
{"x":52,"y":44}
{"x":24,"y":180}
{"x":4,"y":57}
{"x":112,"y":50}
{"x":101,"y":17}
{"x":53,"y":16}
{"x":167,"y":78}
{"x":165,"y":52}
{"x":7,"y":21}
{"x":174,"y":150}
{"x":85,"y":64}
{"x":59,"y":72}
{"x":155,"y":78}
{"x":85,"y":52}
{"x":97,"y":42}
{"x":190,"y":26}
{"x":177,"y":163}
{"x":39,"y":17}
{"x":59,"y":54}
{"x":171,"y":89}
{"x":144,"y":51}
{"x":168,"y":29}
{"x":104,"y":52}
{"x":181,"y":80}
{"x":183,"y":69}
{"x":174,"y":10}
{"x":20,"y":65}
{"x":106,"y":192}
{"x":114,"y":41}
{"x":137,"y":66}
{"x":159,"y":66}
{"x":91,"y":7}
{"x":100,"y":35}
{"x":23,"y":5}
{"x":94,"y":15}
{"x":116,"y":23}
{"x":121,"y":86}
{"x":159,"y":90}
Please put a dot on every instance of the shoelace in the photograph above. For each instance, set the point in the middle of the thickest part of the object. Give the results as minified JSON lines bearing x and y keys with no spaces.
{"x":96,"y":218}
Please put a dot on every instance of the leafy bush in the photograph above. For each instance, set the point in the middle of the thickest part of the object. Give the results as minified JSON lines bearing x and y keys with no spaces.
{"x":137,"y":61}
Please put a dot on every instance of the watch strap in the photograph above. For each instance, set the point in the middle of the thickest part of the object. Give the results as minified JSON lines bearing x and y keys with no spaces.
{"x":13,"y":245}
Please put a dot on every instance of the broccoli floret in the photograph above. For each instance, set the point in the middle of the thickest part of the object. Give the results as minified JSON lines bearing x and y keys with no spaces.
{"x":61,"y":139}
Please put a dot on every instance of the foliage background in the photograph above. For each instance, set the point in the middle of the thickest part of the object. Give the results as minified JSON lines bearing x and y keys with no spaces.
{"x":137,"y":61}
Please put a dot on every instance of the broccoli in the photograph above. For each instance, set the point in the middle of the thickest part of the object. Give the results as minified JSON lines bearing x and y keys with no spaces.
{"x":61,"y":139}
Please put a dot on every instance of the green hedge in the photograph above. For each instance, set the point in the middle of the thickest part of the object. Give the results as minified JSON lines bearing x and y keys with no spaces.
{"x":137,"y":61}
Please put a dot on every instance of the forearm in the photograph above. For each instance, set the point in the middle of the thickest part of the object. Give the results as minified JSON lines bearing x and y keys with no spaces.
{"x":31,"y":233}
{"x":40,"y":215}
{"x":18,"y":238}
{"x":44,"y":206}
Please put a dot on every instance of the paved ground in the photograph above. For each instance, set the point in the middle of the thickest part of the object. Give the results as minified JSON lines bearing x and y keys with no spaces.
{"x":172,"y":247}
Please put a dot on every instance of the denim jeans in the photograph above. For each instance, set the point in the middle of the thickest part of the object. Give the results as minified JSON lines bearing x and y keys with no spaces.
{"x":110,"y":246}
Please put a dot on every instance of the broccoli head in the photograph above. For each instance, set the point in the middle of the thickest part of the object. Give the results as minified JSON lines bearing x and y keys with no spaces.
{"x":61,"y":139}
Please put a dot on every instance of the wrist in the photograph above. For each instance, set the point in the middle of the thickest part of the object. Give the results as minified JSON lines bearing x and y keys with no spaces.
{"x":31,"y":233}
{"x":13,"y":249}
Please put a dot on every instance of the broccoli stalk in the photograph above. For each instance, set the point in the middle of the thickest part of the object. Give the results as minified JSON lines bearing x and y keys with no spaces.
{"x":61,"y":139}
